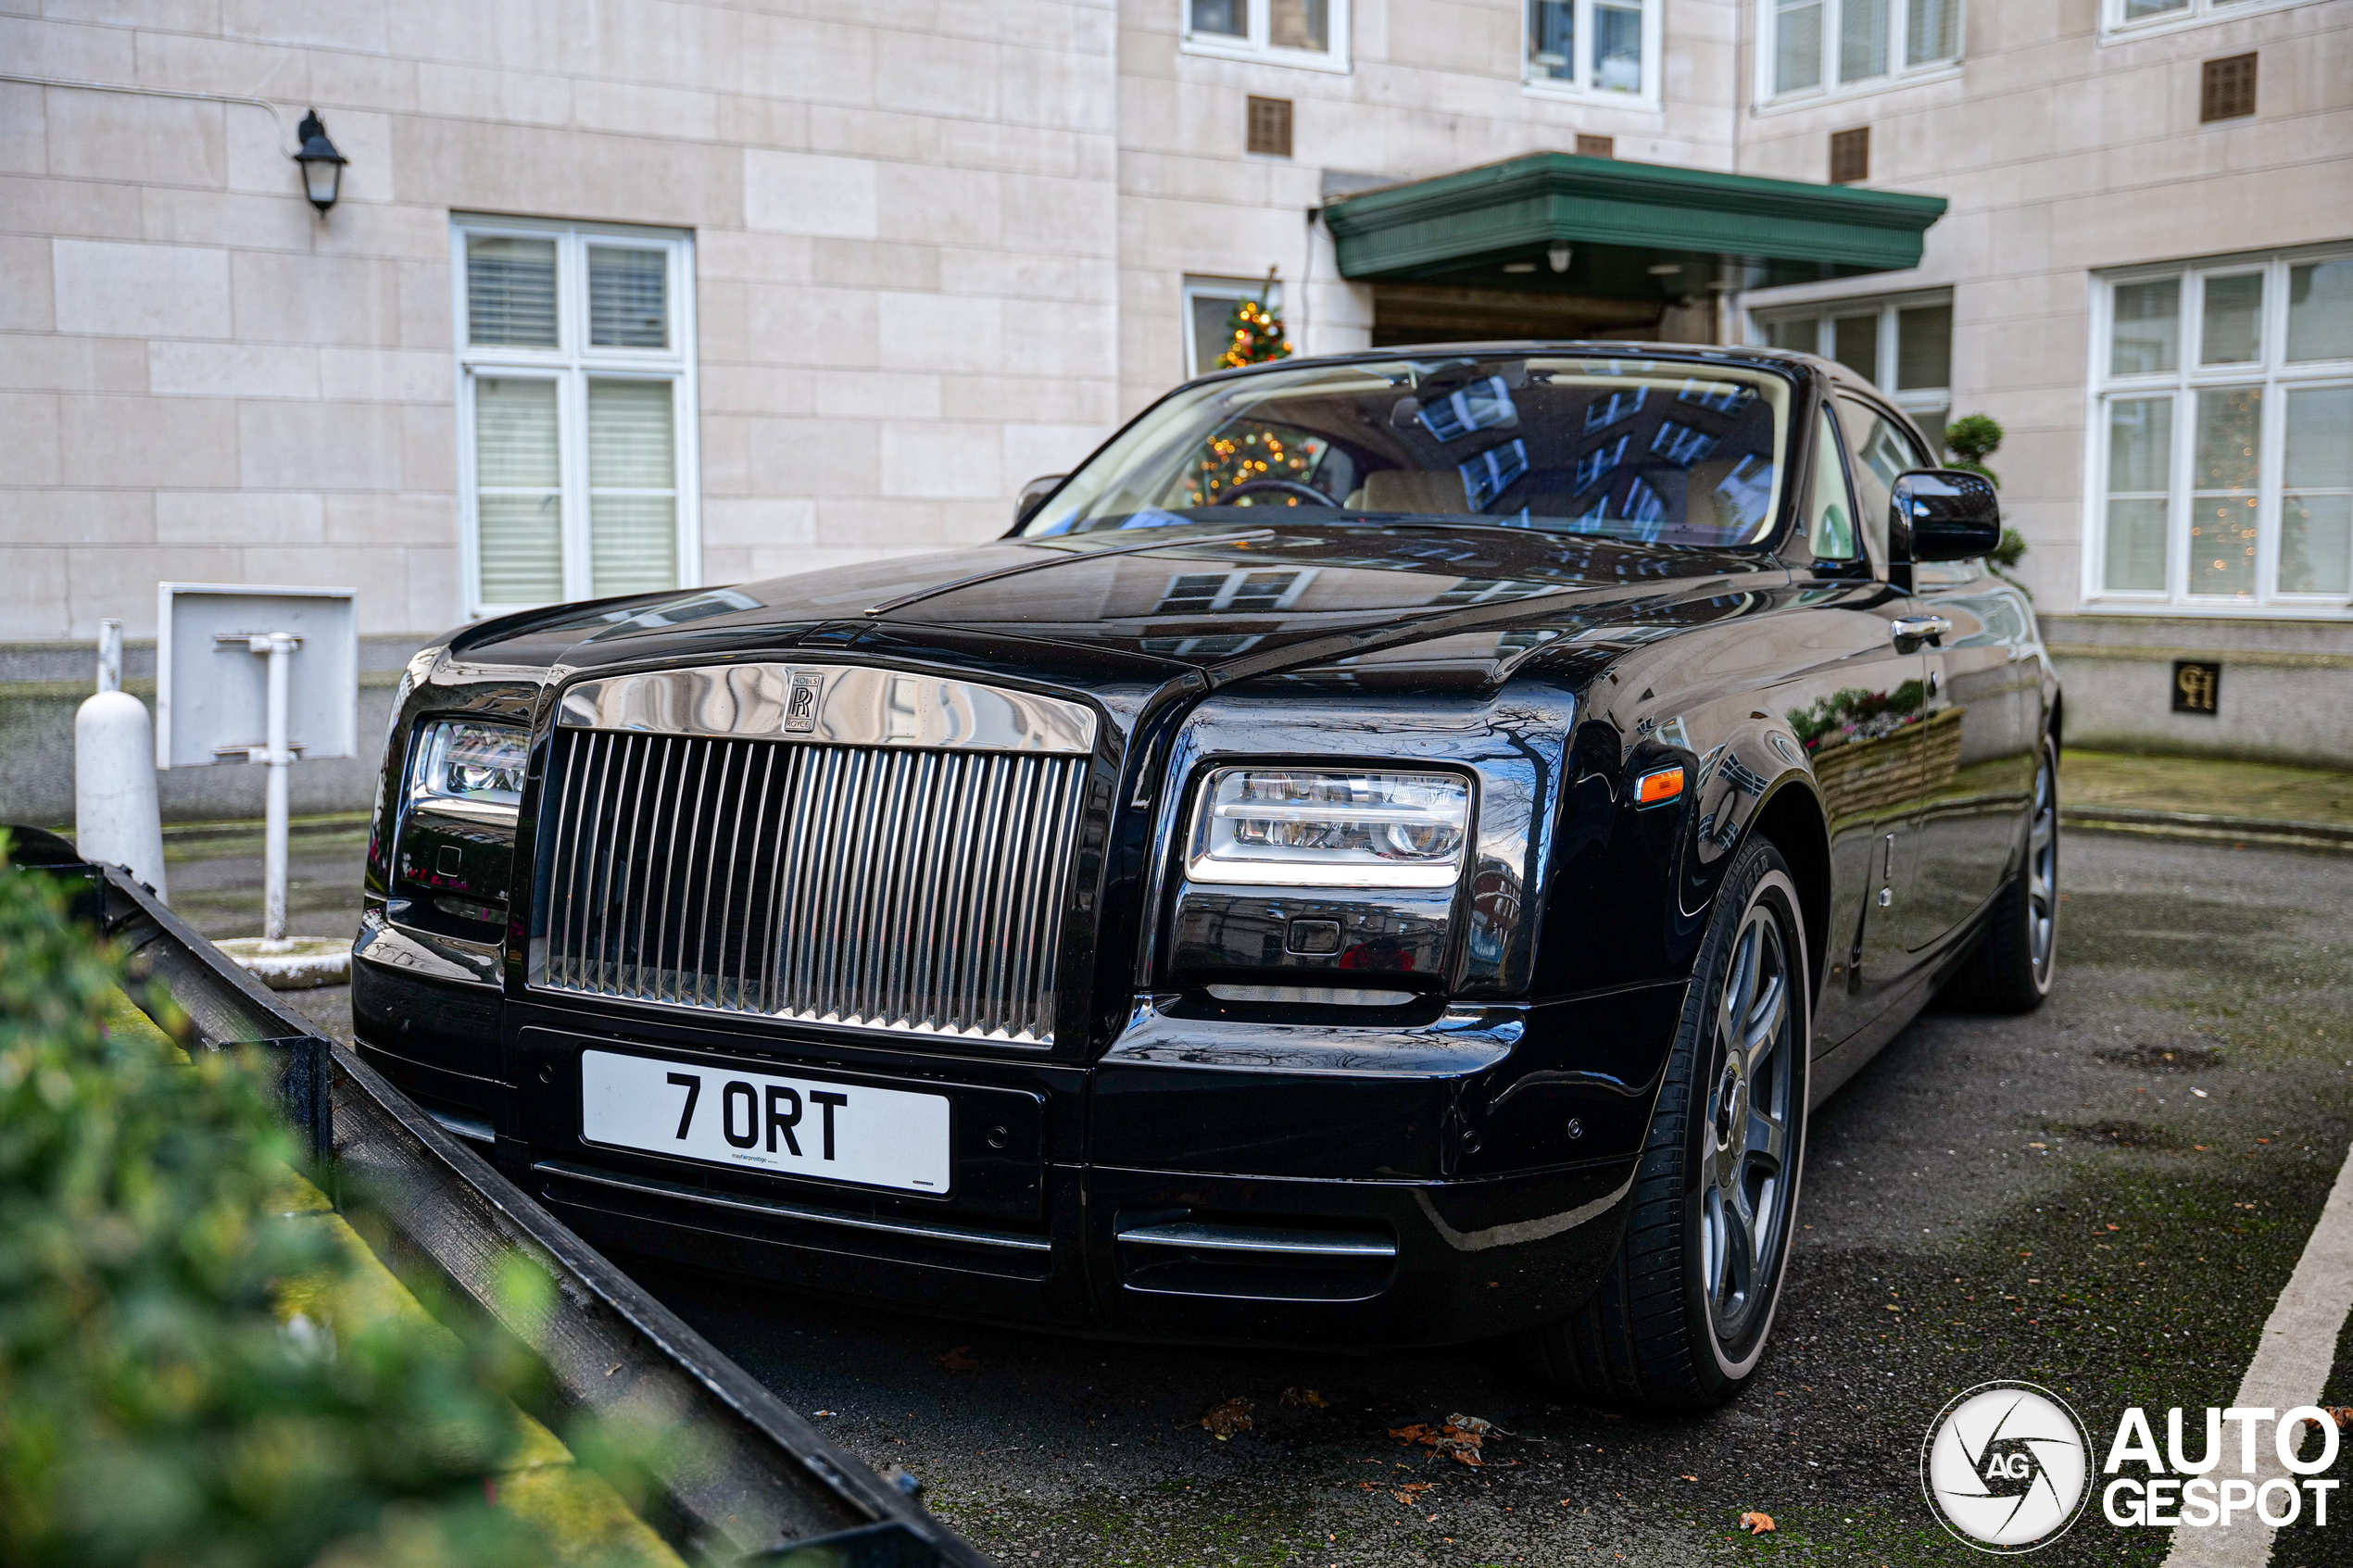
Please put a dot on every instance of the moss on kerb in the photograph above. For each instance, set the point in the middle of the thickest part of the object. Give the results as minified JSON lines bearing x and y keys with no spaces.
{"x":584,"y":1519}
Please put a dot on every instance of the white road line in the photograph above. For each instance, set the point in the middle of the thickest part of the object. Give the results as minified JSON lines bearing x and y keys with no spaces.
{"x":2291,"y":1365}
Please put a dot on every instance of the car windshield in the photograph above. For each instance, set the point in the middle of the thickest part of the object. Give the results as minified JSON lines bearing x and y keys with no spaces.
{"x":1632,"y":448}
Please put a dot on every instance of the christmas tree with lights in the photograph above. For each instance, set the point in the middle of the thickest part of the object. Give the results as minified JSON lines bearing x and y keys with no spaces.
{"x":1253,"y":333}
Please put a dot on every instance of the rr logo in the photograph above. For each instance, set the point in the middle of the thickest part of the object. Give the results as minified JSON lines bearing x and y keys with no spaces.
{"x":800,"y":707}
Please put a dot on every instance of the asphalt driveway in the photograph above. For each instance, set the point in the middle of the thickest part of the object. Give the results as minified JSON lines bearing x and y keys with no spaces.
{"x":2104,"y":1198}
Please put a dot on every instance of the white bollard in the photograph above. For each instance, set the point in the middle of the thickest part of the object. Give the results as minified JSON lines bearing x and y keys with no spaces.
{"x":280,"y":649}
{"x":115,"y":815}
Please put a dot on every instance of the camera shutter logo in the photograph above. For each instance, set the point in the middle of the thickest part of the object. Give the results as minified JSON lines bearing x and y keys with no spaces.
{"x":2006,"y":1467}
{"x":800,"y":706}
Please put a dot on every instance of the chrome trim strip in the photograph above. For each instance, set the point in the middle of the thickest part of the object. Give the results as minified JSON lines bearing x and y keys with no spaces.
{"x":447,"y":959}
{"x":1257,"y":1239}
{"x":471,"y":1127}
{"x":1314,"y":995}
{"x":1524,"y":1231}
{"x":831,"y":705}
{"x":487,"y":813}
{"x":654,"y":1188}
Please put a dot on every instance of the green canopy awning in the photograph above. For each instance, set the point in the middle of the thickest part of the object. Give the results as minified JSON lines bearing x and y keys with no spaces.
{"x":1632,"y":229}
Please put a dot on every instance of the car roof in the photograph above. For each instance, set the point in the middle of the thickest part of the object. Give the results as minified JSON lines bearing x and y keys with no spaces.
{"x":1759,"y":355}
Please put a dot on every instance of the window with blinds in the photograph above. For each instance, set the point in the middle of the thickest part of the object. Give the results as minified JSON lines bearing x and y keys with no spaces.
{"x":633,"y":497}
{"x":510,"y":291}
{"x":578,"y":402}
{"x":519,"y":489}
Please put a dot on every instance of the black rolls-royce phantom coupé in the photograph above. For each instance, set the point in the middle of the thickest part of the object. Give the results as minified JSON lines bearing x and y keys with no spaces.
{"x":1387,"y":852}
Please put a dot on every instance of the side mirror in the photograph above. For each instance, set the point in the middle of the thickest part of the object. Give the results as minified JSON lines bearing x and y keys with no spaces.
{"x":1941,"y":514}
{"x":1033,"y":495}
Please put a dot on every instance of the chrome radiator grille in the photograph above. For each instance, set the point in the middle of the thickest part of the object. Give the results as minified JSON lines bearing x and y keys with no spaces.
{"x":879,"y":886}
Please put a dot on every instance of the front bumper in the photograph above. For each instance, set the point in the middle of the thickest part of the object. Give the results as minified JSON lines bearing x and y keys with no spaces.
{"x":1236,"y":1259}
{"x":1206,"y":1178}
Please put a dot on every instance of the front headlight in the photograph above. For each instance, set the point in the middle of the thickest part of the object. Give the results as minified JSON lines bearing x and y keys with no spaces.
{"x":467,"y":759}
{"x":456,"y":852}
{"x":1304,"y":827}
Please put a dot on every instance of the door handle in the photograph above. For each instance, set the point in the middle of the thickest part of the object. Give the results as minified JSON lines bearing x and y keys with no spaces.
{"x":1911,"y":630}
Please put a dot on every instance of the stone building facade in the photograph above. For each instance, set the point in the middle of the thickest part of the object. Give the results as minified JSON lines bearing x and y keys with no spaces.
{"x":651,"y":292}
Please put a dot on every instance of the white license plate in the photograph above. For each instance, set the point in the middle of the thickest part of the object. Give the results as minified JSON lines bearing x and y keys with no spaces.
{"x":793,"y":1127}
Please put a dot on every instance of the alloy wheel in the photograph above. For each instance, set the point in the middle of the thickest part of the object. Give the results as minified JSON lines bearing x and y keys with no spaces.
{"x":2042,"y":872}
{"x":1746,"y":1142}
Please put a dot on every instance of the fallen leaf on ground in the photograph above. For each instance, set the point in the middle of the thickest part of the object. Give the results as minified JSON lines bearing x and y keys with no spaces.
{"x":960,"y":1360}
{"x":1409,"y":1491}
{"x":1305,"y":1398}
{"x":1691,"y":1478}
{"x":1222,"y":1422}
{"x":2342,"y":1415}
{"x":1757,"y":1523}
{"x":1458,"y":1436}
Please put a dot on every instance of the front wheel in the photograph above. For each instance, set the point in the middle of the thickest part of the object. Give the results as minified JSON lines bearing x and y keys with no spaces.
{"x":1681,"y":1320}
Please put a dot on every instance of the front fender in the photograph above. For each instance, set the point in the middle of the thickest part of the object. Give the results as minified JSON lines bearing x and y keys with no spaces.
{"x":1629,"y":887}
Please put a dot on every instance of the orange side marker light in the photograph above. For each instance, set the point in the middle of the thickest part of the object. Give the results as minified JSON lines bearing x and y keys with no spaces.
{"x":1657,"y":789}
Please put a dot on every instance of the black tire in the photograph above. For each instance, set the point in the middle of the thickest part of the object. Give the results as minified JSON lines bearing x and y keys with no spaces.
{"x":1661,"y":1332}
{"x":2010,"y":970}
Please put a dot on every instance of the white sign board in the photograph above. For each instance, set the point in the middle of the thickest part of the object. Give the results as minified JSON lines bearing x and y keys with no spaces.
{"x":212,"y":689}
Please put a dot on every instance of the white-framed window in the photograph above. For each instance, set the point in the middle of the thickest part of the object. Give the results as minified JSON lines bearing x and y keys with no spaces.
{"x":1596,"y":51}
{"x":576,"y":423}
{"x":2221,"y":442}
{"x":1814,"y":49}
{"x":2123,"y":18}
{"x":1209,"y":306}
{"x":1903,"y":344}
{"x":1310,"y":33}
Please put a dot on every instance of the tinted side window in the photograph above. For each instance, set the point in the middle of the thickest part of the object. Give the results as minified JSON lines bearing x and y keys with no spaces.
{"x":1830,"y":521}
{"x":1882,"y":450}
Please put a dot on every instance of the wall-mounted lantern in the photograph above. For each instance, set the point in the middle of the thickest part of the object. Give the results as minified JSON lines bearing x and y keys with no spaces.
{"x":321,"y":164}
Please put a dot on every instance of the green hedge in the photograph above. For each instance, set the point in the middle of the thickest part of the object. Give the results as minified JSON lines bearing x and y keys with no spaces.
{"x":154,"y":1410}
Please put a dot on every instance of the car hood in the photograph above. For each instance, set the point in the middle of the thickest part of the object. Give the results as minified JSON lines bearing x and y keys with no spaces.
{"x":1222,"y":603}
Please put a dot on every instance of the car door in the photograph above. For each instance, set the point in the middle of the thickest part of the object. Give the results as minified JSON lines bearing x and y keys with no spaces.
{"x":1977,"y":751}
{"x":1855,"y":709}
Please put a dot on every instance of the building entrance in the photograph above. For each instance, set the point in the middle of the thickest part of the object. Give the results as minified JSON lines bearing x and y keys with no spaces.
{"x":1410,"y":313}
